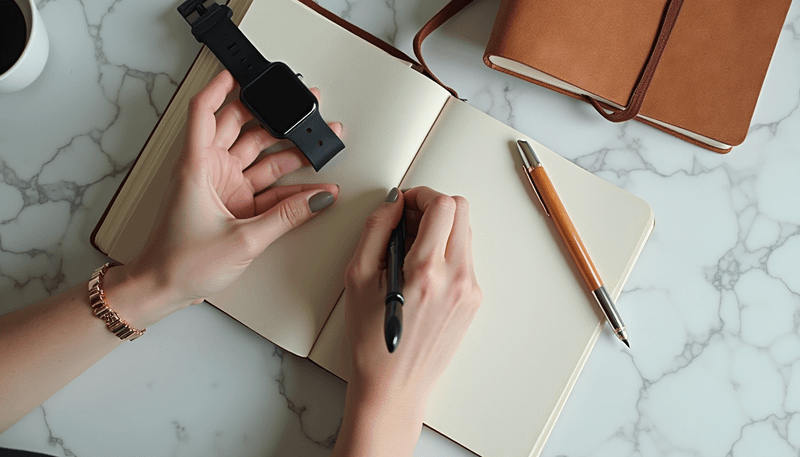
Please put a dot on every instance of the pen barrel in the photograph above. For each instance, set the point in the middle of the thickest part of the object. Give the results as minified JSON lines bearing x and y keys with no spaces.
{"x":566,"y":229}
{"x":395,"y":256}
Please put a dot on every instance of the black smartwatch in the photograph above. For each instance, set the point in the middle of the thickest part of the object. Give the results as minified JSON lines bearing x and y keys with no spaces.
{"x":270,"y":90}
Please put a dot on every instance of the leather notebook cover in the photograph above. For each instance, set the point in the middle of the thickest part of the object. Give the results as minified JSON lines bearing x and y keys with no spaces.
{"x":707,"y":81}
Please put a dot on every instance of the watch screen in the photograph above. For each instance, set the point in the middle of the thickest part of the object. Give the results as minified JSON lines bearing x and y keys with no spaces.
{"x":279,"y":98}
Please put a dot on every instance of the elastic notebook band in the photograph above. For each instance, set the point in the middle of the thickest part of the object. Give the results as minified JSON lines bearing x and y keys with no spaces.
{"x":436,"y":21}
{"x":608,"y":112}
{"x":637,"y":97}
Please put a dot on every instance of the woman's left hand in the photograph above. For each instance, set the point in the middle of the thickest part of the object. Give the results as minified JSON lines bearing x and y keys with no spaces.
{"x":218,"y":213}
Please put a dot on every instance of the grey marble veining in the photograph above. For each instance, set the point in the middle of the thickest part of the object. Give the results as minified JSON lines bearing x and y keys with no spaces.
{"x":713,"y":305}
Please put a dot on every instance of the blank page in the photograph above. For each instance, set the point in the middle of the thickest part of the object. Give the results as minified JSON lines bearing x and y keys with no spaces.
{"x":502,"y":392}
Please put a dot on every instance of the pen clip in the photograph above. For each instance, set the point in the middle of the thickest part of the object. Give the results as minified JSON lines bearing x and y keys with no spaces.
{"x":529,"y":162}
{"x":538,"y":195}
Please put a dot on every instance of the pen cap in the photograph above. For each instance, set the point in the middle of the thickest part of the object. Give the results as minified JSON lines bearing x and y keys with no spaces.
{"x":529,"y":157}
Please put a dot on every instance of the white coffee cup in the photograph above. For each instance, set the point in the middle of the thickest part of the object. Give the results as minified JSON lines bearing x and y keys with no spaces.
{"x":37,"y":47}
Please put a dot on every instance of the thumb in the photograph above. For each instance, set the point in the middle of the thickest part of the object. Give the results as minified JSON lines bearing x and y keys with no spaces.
{"x":291,"y":212}
{"x":377,"y":229}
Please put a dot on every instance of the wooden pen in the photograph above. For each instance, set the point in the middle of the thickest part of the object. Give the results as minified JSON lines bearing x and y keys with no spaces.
{"x":553,"y":207}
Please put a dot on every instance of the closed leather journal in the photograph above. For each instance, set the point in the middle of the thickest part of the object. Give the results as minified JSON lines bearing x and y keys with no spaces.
{"x":706,"y":60}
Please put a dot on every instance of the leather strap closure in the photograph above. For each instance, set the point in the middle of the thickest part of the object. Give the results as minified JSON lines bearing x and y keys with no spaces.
{"x":640,"y":90}
{"x":608,"y":112}
{"x":436,"y":21}
{"x":363,"y":34}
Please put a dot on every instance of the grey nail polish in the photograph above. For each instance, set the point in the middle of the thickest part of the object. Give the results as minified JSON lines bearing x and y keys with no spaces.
{"x":392,"y":197}
{"x":320,"y":201}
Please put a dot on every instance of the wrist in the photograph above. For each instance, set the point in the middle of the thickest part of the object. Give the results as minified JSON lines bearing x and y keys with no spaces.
{"x":389,"y":382}
{"x":404,"y":402}
{"x":379,"y":421}
{"x":139,"y":298}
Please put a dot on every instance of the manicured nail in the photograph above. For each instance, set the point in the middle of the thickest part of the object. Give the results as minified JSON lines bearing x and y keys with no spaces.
{"x":320,"y":201}
{"x":392,"y":197}
{"x":405,"y":190}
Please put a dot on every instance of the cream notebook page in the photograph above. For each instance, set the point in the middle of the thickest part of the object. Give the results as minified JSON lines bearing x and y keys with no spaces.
{"x":386,"y":110}
{"x":502,"y":392}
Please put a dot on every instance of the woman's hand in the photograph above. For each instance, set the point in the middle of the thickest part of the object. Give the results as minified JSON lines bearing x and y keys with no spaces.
{"x":217,"y":214}
{"x":387,"y":392}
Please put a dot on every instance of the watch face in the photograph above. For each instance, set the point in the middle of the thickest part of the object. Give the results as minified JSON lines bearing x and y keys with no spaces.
{"x":279,"y":99}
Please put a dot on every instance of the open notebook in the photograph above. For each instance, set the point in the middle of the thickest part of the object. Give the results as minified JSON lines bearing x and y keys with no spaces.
{"x":402,"y":129}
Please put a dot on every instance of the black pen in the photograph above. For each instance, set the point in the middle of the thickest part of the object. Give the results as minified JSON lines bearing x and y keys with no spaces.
{"x":396,"y":253}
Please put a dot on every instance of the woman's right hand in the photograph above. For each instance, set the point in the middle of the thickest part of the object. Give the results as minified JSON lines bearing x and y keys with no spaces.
{"x":441,"y":298}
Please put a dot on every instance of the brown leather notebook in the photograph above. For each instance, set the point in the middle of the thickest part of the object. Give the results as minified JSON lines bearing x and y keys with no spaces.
{"x":704,"y":88}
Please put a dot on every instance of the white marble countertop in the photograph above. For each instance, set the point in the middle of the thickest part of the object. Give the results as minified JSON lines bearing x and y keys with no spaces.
{"x":713,"y":305}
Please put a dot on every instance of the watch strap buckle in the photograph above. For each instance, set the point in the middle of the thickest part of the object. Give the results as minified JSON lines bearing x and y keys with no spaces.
{"x":195,"y":10}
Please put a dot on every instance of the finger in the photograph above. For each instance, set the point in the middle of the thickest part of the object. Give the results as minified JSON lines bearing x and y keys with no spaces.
{"x":371,"y":250}
{"x":202,"y":122}
{"x":272,"y":197}
{"x":438,"y":213}
{"x":269,"y":169}
{"x":250,"y":144}
{"x":293,"y":211}
{"x":255,"y":140}
{"x":459,"y":245}
{"x":229,"y":123}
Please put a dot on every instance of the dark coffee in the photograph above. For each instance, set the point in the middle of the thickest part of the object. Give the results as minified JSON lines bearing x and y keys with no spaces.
{"x":13,"y":34}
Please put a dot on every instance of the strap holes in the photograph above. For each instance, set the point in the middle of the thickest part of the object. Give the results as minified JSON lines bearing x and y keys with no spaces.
{"x":319,"y":143}
{"x":233,"y":45}
{"x":308,"y":130}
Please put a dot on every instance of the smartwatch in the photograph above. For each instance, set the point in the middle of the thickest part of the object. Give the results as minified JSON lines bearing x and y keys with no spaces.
{"x":271,"y":91}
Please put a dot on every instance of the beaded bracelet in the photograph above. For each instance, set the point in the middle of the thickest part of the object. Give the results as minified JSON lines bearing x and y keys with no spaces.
{"x":97,"y":298}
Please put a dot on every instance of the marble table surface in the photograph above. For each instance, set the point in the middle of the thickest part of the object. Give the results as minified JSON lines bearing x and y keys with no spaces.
{"x":713,"y":305}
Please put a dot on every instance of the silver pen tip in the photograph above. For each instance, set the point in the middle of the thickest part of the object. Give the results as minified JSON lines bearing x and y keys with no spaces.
{"x":623,"y":336}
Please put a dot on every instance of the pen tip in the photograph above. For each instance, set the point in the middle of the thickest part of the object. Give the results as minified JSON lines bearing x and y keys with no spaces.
{"x":392,"y":333}
{"x":626,"y":343}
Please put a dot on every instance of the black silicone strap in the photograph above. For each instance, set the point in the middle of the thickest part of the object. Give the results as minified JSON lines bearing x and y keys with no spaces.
{"x":212,"y":25}
{"x":316,"y":140}
{"x":214,"y":28}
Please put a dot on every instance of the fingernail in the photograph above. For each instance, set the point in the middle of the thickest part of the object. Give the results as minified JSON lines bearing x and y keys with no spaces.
{"x":320,"y":201}
{"x":392,"y":197}
{"x":405,"y":190}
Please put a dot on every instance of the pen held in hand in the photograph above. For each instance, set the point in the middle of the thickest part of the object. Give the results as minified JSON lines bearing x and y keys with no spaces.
{"x":393,"y":319}
{"x":553,"y":207}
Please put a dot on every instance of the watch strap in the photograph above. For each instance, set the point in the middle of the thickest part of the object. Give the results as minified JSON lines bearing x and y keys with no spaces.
{"x":212,"y":25}
{"x":316,"y":140}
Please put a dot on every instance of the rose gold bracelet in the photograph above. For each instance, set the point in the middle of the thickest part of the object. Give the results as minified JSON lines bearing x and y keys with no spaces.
{"x":97,"y":298}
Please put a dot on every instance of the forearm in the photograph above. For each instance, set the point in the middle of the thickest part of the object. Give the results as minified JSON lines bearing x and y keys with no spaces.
{"x":48,"y":344}
{"x":377,"y":423}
